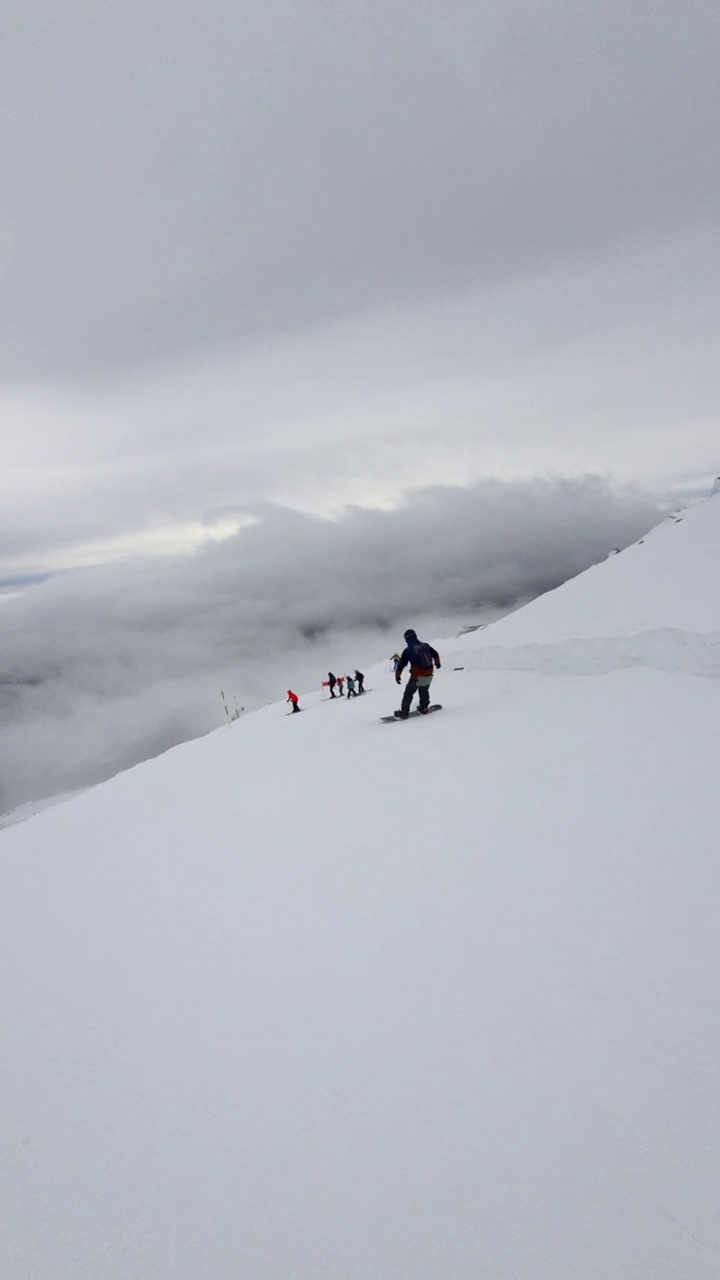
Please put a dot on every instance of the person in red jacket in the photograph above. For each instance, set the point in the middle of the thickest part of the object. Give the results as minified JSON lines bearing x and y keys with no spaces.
{"x":293,"y":698}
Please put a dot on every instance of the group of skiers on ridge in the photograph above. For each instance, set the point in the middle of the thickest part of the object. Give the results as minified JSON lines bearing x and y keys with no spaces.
{"x":337,"y":682}
{"x":332,"y":683}
{"x":419,"y":656}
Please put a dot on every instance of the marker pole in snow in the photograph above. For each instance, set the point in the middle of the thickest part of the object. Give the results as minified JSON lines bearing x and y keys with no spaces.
{"x":227,"y":713}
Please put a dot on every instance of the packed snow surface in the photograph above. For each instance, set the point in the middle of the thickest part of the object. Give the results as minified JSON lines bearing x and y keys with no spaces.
{"x":320,"y":998}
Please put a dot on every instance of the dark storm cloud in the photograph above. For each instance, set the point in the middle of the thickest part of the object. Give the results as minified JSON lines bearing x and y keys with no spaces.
{"x":100,"y":668}
{"x":173,"y":176}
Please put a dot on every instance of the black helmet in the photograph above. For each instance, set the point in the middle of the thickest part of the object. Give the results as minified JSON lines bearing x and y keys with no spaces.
{"x":410,"y":635}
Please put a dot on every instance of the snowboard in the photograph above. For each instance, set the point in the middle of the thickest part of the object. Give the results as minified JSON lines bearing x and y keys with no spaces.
{"x":436,"y":706}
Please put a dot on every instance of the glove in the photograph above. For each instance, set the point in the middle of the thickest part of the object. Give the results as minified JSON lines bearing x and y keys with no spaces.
{"x":398,"y":680}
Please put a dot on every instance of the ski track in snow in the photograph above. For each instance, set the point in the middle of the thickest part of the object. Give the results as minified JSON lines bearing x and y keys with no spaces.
{"x":666,"y":649}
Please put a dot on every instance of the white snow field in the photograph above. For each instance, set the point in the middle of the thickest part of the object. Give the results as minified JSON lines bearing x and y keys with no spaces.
{"x":320,"y":998}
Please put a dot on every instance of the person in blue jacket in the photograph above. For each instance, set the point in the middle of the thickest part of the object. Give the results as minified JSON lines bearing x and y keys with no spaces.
{"x":423,"y":661}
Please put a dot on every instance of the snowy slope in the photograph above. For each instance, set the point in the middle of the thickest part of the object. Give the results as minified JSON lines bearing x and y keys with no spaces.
{"x":324,"y":998}
{"x":668,"y":579}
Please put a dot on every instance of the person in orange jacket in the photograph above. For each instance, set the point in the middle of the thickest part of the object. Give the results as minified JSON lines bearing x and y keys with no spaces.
{"x":293,"y":698}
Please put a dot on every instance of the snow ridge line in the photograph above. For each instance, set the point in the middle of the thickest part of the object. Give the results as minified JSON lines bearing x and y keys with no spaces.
{"x":665,"y":649}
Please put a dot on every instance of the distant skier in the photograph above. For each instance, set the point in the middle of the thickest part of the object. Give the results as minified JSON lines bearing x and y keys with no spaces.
{"x":422,"y":660}
{"x":293,"y":698}
{"x":360,"y":677}
{"x":395,"y":659}
{"x":341,"y":685}
{"x":351,"y":687}
{"x":331,"y":683}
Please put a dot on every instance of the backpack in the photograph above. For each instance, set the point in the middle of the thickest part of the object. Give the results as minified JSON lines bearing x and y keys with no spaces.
{"x":420,"y":655}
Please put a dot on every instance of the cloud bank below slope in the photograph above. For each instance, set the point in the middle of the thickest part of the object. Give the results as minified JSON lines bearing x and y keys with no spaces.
{"x":104,"y":667}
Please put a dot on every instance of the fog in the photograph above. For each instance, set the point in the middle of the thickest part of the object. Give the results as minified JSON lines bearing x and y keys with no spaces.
{"x":103,"y":667}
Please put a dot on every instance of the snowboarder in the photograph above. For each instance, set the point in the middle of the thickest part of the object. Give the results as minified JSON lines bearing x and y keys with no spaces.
{"x":360,"y":677}
{"x":293,"y":698}
{"x":422,"y":660}
{"x":331,"y":683}
{"x":351,"y":687}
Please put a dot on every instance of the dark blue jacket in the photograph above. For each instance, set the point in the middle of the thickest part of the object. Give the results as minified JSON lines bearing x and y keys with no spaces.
{"x":418,"y":667}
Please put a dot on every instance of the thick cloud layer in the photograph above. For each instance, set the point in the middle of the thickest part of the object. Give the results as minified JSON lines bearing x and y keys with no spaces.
{"x":103,"y":667}
{"x":175,"y":177}
{"x":610,"y":369}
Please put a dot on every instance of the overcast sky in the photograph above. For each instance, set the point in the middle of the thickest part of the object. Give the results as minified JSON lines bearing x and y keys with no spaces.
{"x":253,"y":251}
